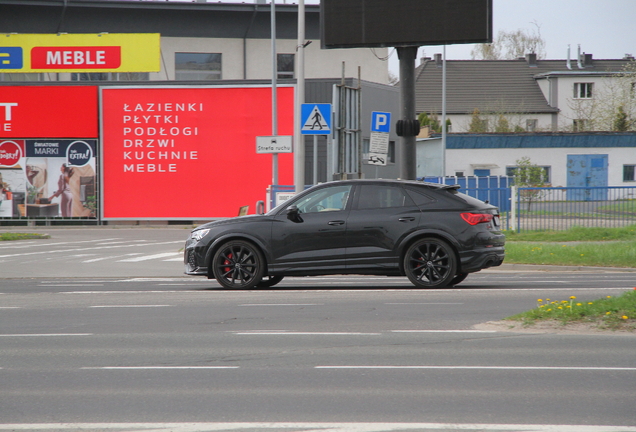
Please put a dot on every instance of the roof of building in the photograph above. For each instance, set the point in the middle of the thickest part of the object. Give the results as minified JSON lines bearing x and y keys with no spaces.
{"x":174,"y":19}
{"x":499,"y":86}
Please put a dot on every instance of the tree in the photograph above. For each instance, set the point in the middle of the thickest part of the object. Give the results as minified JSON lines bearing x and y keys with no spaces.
{"x":529,"y":175}
{"x":511,"y":45}
{"x":502,"y":124}
{"x":620,"y":121}
{"x":477,"y":124}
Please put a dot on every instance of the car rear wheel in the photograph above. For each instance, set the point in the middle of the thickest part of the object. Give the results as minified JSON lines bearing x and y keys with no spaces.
{"x":269,"y":281}
{"x":430,"y":263}
{"x":238,"y":264}
{"x":459,"y":278}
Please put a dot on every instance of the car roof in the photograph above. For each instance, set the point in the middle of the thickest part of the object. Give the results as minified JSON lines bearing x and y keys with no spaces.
{"x":394,"y":182}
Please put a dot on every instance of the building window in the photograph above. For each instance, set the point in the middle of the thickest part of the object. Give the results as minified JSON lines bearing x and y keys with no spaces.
{"x":459,"y":174}
{"x":547,"y":172}
{"x":197,"y":66}
{"x":583,"y":90}
{"x":285,"y":64}
{"x":21,"y":76}
{"x":531,"y":125}
{"x":628,"y":173}
{"x":110,"y":76}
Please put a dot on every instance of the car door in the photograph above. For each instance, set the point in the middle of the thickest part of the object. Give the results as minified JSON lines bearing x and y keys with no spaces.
{"x":381,"y":217}
{"x":312,"y":239}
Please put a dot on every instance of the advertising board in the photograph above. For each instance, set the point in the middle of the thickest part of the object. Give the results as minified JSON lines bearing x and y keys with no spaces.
{"x":48,"y":112}
{"x":62,"y":52}
{"x":188,"y":153}
{"x":48,"y":178}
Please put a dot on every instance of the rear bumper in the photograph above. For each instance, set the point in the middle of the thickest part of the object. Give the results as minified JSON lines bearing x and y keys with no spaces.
{"x":473,"y":261}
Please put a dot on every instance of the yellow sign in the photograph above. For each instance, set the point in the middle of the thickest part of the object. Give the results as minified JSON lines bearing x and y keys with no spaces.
{"x":102,"y":52}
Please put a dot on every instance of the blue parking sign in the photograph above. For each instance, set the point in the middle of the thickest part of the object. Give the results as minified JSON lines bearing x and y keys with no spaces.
{"x":380,"y":122}
{"x":10,"y":58}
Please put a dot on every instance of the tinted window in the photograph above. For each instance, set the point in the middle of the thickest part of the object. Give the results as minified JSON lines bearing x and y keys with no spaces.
{"x":420,"y":198}
{"x":325,"y":199}
{"x":379,"y":196}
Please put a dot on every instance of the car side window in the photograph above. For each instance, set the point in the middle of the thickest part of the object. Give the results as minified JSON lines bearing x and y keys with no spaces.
{"x":420,"y":198}
{"x":379,"y":196}
{"x":326,"y":199}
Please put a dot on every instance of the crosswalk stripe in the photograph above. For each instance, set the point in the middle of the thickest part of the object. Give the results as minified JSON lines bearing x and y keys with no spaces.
{"x":150,"y":257}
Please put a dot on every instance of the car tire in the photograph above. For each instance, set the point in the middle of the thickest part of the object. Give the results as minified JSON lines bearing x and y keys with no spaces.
{"x":238,"y":264}
{"x":430,"y":263}
{"x":269,"y":281}
{"x":459,"y":278}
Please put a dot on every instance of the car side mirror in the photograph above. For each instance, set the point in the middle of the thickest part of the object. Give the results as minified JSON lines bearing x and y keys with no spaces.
{"x":293,"y":214}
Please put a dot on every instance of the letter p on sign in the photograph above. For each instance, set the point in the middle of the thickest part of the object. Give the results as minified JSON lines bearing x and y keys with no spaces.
{"x":380,"y":122}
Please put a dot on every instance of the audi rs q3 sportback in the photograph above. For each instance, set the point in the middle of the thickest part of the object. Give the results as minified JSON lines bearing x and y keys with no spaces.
{"x":431,"y":233}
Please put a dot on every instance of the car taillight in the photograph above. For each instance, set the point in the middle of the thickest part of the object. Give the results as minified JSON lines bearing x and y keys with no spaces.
{"x":476,"y":218}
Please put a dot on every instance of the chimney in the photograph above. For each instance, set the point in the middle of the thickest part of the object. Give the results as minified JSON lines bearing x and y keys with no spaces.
{"x":438,"y":60}
{"x":587,"y":60}
{"x":579,"y":60}
{"x":531,"y":58}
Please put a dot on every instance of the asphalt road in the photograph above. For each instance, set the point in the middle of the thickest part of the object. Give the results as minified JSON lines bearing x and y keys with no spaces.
{"x":90,"y":340}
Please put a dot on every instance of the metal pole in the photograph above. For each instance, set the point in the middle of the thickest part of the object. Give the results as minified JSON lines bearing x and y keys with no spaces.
{"x":408,"y":167}
{"x":299,"y":147}
{"x":444,"y":113}
{"x":315,"y":159}
{"x":274,"y":93}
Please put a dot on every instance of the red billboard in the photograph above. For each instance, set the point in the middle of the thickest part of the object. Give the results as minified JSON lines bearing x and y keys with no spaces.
{"x":189,"y":153}
{"x":48,"y":112}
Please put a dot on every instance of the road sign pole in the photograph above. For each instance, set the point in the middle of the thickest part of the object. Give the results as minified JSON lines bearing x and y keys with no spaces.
{"x":274,"y":91}
{"x":299,"y":145}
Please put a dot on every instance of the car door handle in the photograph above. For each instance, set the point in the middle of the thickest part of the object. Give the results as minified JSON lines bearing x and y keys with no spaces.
{"x":336,"y":223}
{"x":406,"y":219}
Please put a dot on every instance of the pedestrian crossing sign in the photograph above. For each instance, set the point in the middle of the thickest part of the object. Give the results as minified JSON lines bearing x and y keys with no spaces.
{"x":315,"y":119}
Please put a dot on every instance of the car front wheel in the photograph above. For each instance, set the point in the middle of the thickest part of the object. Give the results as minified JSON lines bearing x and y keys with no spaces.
{"x":238,"y":264}
{"x":430,"y":263}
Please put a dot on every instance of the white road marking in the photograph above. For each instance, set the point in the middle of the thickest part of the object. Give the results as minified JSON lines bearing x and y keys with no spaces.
{"x":443,"y":331}
{"x":46,"y":334}
{"x":156,"y":367}
{"x":292,"y":333}
{"x":111,"y":257}
{"x":313,"y":427}
{"x":90,"y":249}
{"x":150,"y":257}
{"x":282,"y":304}
{"x":555,"y":368}
{"x":129,"y":306}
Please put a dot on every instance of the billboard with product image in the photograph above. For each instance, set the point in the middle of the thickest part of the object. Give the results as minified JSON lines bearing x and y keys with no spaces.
{"x":188,"y":152}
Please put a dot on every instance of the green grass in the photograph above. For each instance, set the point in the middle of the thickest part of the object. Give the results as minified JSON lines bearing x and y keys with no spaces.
{"x":610,"y":313}
{"x":596,"y":247}
{"x":10,"y":236}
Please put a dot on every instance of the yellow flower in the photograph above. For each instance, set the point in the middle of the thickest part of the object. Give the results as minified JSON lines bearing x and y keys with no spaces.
{"x":607,"y":313}
{"x":578,"y":304}
{"x":590,"y":303}
{"x":625,"y":317}
{"x":559,"y":307}
{"x":549,"y":310}
{"x":609,"y":296}
{"x":539,"y":300}
{"x":572,"y":297}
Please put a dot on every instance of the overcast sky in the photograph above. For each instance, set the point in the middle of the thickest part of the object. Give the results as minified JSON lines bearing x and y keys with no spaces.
{"x":604,"y":28}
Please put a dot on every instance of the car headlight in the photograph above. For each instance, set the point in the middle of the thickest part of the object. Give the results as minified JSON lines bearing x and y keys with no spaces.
{"x":199,"y":234}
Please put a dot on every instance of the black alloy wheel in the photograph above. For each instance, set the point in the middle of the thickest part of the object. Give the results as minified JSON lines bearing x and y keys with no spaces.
{"x":238,"y":264}
{"x":269,"y":281}
{"x":430,"y":263}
